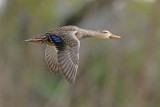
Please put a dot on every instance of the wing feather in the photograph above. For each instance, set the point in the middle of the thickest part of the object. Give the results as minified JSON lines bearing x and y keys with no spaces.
{"x":66,"y":56}
{"x":68,"y":61}
{"x":51,"y":58}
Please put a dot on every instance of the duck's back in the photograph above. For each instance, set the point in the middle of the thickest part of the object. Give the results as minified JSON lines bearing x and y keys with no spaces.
{"x":64,"y":29}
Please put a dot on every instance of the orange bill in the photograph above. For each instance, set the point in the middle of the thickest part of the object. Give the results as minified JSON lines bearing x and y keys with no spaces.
{"x":114,"y":37}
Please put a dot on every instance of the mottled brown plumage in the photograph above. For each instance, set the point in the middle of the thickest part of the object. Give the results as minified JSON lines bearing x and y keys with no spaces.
{"x":62,"y":51}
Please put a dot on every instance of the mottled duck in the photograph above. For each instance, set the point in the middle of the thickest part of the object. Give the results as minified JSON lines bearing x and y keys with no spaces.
{"x":62,"y":51}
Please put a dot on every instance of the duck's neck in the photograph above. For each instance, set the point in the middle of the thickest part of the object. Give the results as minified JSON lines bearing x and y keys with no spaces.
{"x":82,"y":33}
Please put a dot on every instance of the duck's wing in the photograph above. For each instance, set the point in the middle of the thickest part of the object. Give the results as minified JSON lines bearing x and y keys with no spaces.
{"x":68,"y":61}
{"x":68,"y":53}
{"x":51,"y":58}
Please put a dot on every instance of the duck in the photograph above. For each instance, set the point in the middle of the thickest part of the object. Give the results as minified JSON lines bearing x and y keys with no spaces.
{"x":62,"y":47}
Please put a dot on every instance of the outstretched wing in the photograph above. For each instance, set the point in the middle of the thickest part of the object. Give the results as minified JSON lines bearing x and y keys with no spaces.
{"x":51,"y":58}
{"x":68,"y":61}
{"x":68,"y":54}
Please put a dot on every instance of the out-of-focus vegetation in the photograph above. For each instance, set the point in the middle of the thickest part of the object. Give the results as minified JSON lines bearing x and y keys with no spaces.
{"x":112,"y":73}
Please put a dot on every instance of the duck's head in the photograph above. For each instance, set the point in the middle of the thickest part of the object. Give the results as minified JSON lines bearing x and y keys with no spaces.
{"x":105,"y":34}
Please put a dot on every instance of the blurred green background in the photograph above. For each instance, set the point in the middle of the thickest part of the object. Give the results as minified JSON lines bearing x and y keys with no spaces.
{"x":112,"y":73}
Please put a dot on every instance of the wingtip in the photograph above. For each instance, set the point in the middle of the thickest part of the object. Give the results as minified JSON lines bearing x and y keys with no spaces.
{"x":69,"y":80}
{"x":72,"y":82}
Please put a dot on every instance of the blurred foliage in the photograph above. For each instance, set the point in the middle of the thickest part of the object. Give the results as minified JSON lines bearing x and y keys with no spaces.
{"x":112,"y":73}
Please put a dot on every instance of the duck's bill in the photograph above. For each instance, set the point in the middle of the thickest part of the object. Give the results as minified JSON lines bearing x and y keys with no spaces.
{"x":114,"y":37}
{"x":35,"y":40}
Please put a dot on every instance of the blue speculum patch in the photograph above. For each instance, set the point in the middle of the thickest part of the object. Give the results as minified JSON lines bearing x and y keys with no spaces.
{"x":56,"y":39}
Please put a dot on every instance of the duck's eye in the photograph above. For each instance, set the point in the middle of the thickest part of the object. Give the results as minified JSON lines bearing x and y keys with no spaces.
{"x":105,"y":32}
